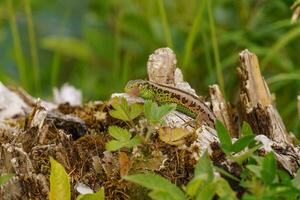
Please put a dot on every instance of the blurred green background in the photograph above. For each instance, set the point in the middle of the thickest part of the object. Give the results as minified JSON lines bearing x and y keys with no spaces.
{"x":98,"y":45}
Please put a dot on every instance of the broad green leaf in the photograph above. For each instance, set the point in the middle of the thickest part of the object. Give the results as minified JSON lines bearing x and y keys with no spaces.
{"x":160,"y":195}
{"x":204,"y":167}
{"x":133,"y":142}
{"x":165,"y":109}
{"x":150,"y":110}
{"x":207,"y":192}
{"x":5,"y":178}
{"x":59,"y":182}
{"x":96,"y":196}
{"x":296,"y":180}
{"x":157,"y":183}
{"x":284,"y":177}
{"x":246,"y":129}
{"x":123,"y":111}
{"x":135,"y":110}
{"x":224,"y":137}
{"x":268,"y":171}
{"x":119,"y":133}
{"x":114,"y":145}
{"x":119,"y":114}
{"x":224,"y":190}
{"x":255,"y":169}
{"x":242,"y":143}
{"x":155,"y":113}
{"x":203,"y":175}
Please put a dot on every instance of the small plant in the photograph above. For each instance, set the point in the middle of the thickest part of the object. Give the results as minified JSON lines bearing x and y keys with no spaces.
{"x":125,"y":112}
{"x":123,"y":138}
{"x":60,"y":185}
{"x":263,"y":180}
{"x":204,"y":185}
{"x":225,"y":139}
{"x":155,"y":113}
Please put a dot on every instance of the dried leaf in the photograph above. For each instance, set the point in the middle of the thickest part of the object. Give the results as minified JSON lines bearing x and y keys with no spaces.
{"x":173,"y":136}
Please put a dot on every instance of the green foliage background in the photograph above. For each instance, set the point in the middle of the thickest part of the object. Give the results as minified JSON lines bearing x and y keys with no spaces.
{"x":99,"y":45}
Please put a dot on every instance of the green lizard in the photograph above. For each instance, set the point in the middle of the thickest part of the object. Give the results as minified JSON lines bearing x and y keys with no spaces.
{"x":186,"y":103}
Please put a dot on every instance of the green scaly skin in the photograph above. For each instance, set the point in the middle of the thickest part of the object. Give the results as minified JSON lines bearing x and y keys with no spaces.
{"x":162,"y":94}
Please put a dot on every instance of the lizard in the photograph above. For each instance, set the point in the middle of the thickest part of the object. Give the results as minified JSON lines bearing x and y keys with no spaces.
{"x":186,"y":103}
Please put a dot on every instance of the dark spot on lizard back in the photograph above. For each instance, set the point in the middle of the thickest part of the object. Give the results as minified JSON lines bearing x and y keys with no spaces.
{"x":184,"y":100}
{"x":192,"y":104}
{"x":175,"y":96}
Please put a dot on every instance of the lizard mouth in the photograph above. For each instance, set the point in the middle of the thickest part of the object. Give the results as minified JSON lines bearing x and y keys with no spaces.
{"x":133,"y":91}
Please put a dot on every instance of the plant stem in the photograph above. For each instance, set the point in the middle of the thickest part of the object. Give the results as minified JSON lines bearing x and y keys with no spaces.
{"x":215,"y":47}
{"x":165,"y":23}
{"x":17,"y":46}
{"x":33,"y":49}
{"x":192,"y":35}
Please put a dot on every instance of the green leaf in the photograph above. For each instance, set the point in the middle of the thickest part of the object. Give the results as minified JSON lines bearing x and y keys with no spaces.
{"x":227,"y":174}
{"x":135,"y":110}
{"x":5,"y":178}
{"x":204,"y":167}
{"x":268,"y":171}
{"x":246,"y":129}
{"x":165,"y":109}
{"x":59,"y":182}
{"x":122,"y":137}
{"x":155,"y":113}
{"x":95,"y":196}
{"x":150,"y":109}
{"x":133,"y":142}
{"x":203,"y":175}
{"x":114,"y":145}
{"x":242,"y":143}
{"x":207,"y":192}
{"x":161,"y":186}
{"x":119,"y":114}
{"x":123,"y":111}
{"x":160,"y":195}
{"x":119,"y":133}
{"x":224,"y":190}
{"x":296,"y":180}
{"x":245,"y":155}
{"x":224,"y":137}
{"x":255,"y":169}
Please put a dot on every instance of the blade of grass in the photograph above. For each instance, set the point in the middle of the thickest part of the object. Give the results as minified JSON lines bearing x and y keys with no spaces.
{"x":165,"y":23}
{"x":192,"y":35}
{"x":284,"y":77}
{"x":33,"y":50}
{"x":283,"y":41}
{"x":17,"y":46}
{"x":215,"y":47}
{"x":117,"y":46}
{"x":55,"y":66}
{"x":209,"y":65}
{"x":126,"y":68}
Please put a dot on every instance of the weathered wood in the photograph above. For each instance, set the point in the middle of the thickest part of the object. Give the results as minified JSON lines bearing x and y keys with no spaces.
{"x":224,"y":111}
{"x":258,"y":109}
{"x":256,"y":102}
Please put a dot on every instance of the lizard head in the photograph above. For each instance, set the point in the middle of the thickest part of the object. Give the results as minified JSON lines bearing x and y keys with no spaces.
{"x":139,"y":88}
